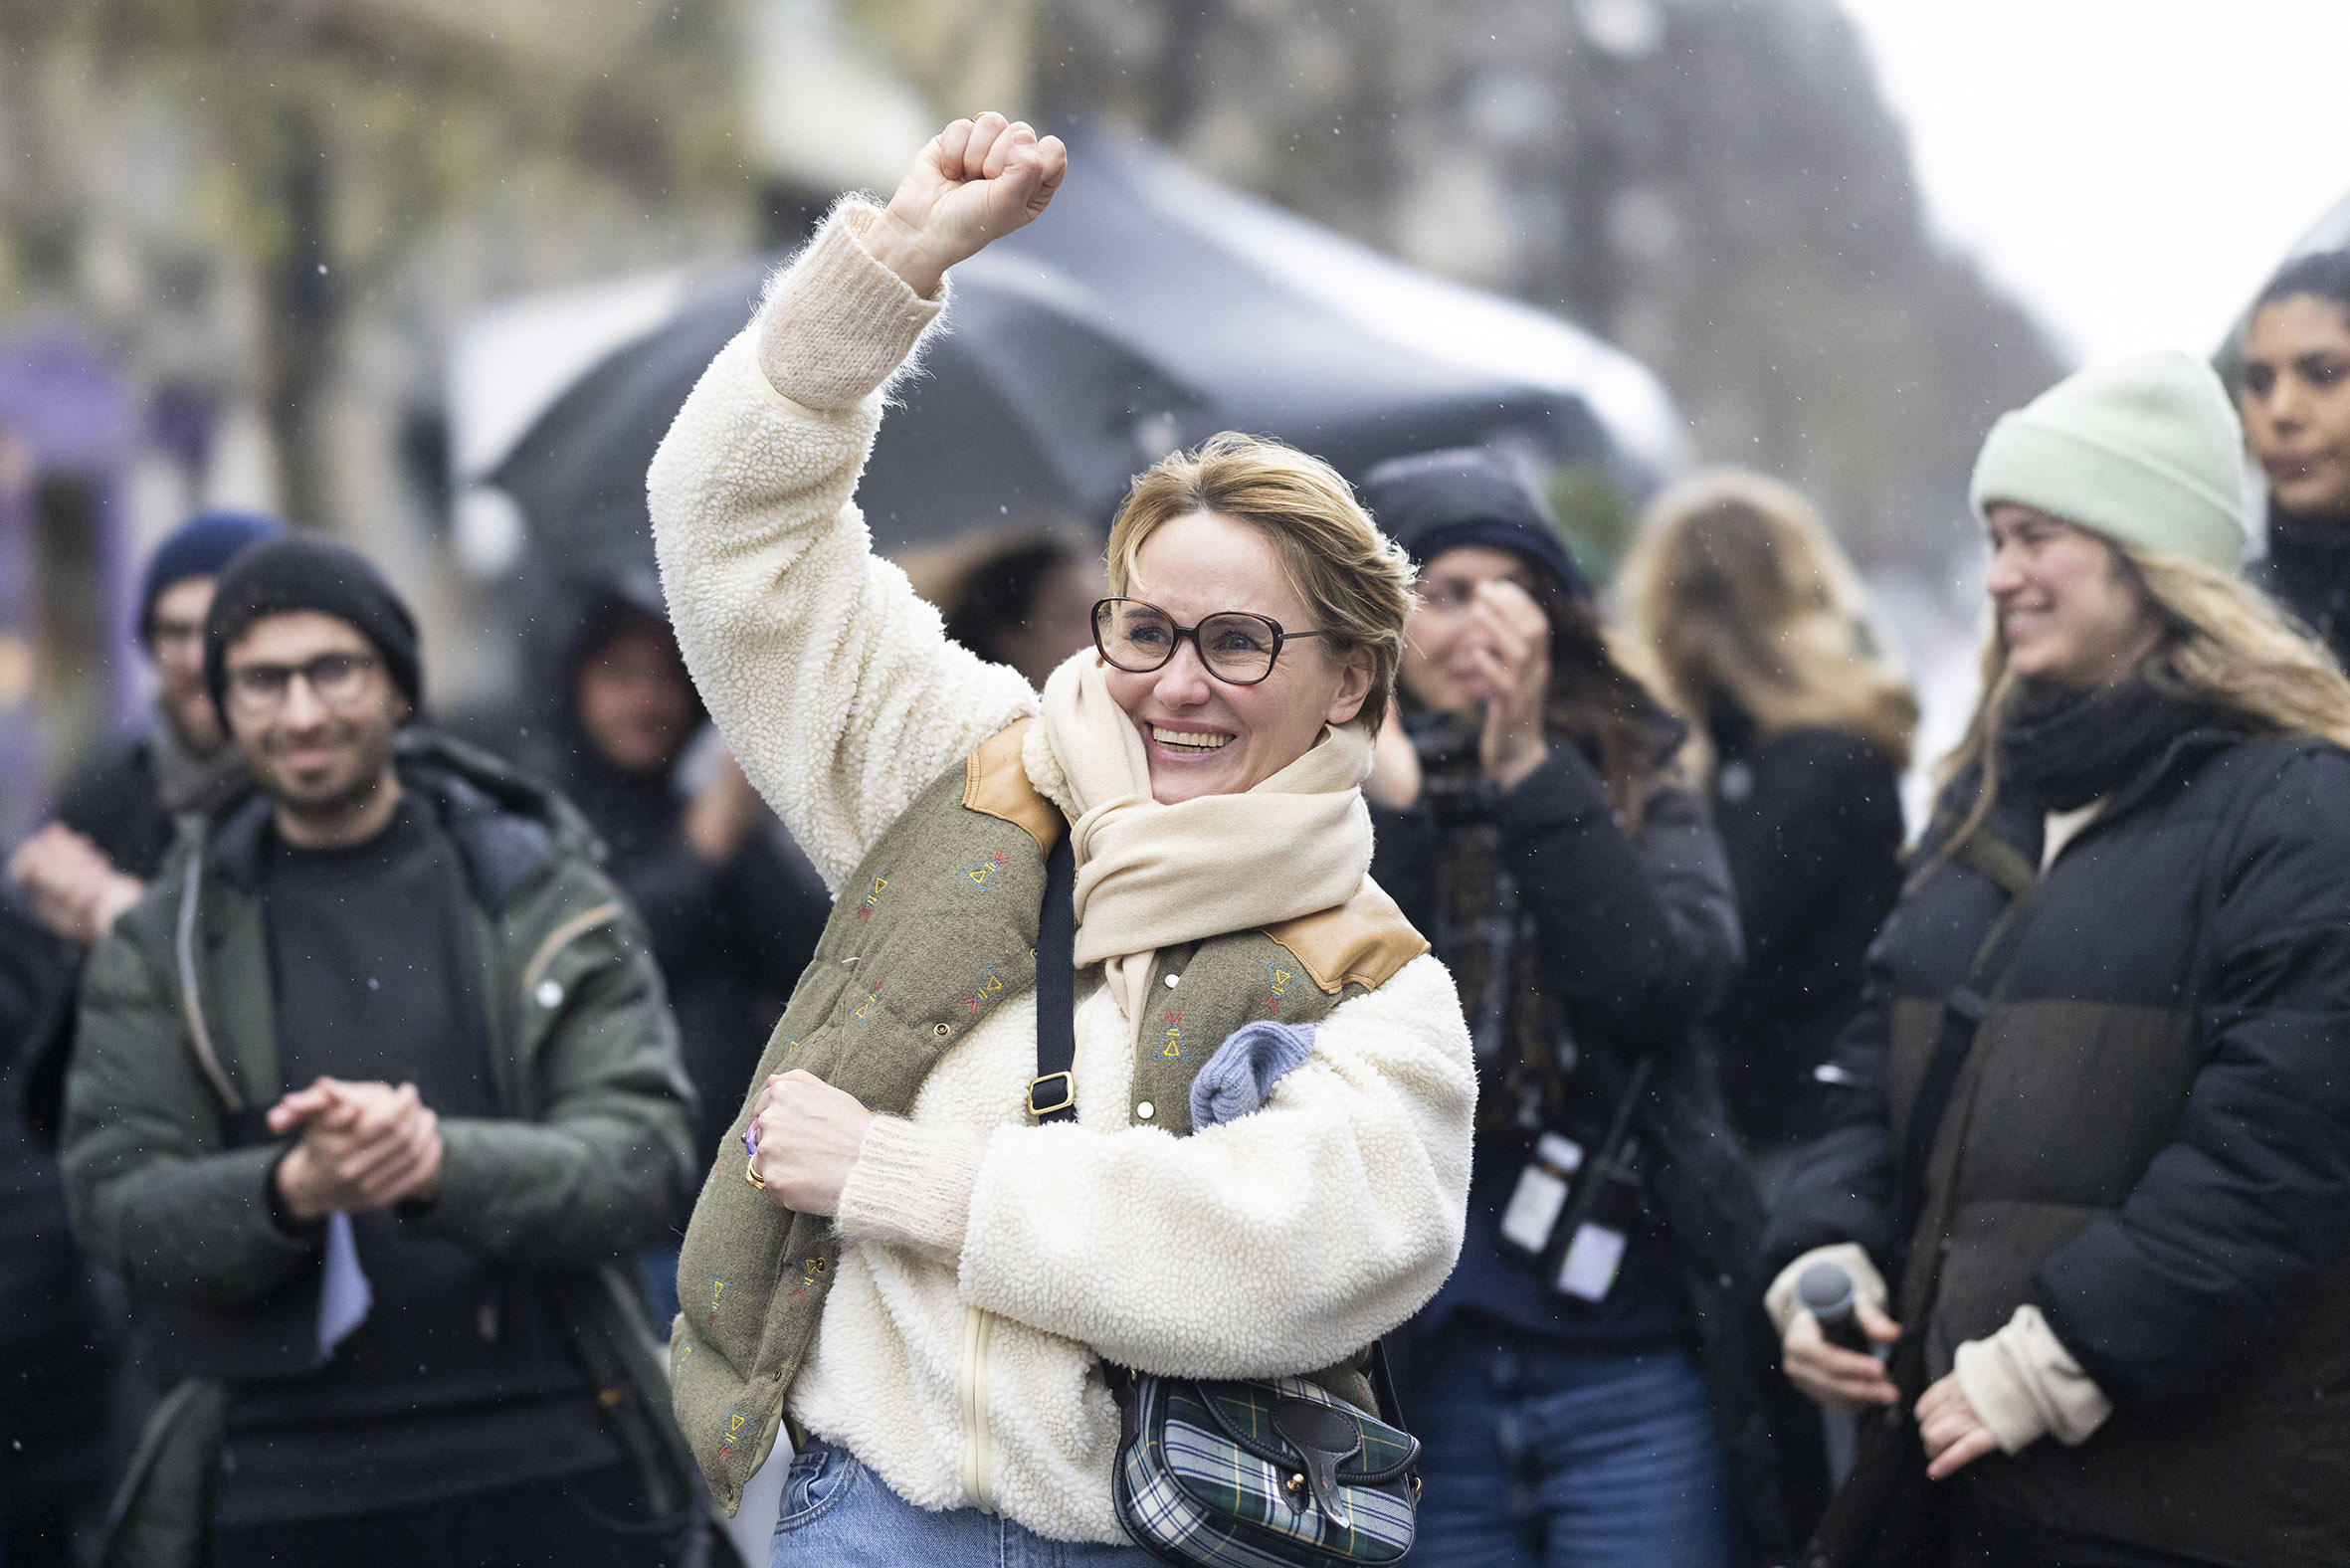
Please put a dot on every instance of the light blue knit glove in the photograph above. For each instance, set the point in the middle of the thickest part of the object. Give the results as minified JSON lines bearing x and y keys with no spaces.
{"x":1244,"y":1070}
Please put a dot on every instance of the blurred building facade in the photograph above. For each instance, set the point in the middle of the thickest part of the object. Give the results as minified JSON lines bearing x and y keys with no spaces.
{"x":267,"y":219}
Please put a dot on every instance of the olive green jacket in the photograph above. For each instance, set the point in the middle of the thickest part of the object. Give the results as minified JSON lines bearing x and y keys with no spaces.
{"x":165,"y":1165}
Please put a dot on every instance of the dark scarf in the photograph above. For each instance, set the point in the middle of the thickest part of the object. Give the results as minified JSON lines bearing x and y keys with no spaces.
{"x":2308,"y":571}
{"x":188,"y":780}
{"x":1486,"y":935}
{"x":2063,"y":749}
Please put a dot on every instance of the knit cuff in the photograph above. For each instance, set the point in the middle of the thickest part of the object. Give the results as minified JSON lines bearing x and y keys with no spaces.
{"x":2025,"y":1385}
{"x":1780,"y":1300}
{"x":837,"y":324}
{"x":910,"y":1188}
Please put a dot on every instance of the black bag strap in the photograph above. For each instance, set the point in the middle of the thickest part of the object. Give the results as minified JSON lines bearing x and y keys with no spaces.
{"x":1053,"y":1092}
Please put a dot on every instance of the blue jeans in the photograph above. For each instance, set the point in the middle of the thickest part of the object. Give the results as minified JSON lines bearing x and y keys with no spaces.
{"x":838,"y":1514}
{"x":1540,"y":1456}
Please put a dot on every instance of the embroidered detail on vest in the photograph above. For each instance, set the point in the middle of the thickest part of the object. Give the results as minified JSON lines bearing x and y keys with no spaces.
{"x":873,"y":896}
{"x":991,"y":986}
{"x":1171,"y":1044}
{"x":1277,"y":976}
{"x":718,"y":1288}
{"x":810,"y":1269}
{"x":1363,"y":941}
{"x":730,"y":1431}
{"x":863,"y":1010}
{"x":983,"y":873}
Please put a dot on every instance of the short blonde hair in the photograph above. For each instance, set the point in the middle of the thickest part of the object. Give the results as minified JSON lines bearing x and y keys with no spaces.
{"x":1355,"y":579}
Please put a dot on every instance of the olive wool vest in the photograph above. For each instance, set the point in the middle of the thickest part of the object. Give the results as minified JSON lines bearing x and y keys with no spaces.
{"x":935,"y":930}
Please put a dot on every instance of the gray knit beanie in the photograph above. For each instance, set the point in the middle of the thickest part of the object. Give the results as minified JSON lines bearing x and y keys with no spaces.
{"x":2144,"y":450}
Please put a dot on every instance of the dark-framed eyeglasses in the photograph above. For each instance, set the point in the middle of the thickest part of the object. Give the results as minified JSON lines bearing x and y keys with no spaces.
{"x":338,"y":679}
{"x":1238,"y":647}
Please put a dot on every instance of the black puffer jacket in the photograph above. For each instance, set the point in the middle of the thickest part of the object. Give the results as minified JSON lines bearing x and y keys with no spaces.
{"x":1811,"y":821}
{"x":2307,"y":570}
{"x":2151,"y":1141}
{"x":1636,"y":936}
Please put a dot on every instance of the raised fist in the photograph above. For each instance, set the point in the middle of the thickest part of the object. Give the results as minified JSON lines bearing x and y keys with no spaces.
{"x":976,"y":182}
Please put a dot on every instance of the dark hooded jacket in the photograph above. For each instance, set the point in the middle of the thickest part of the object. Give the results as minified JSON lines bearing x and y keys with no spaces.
{"x":730,"y":939}
{"x":166,"y":1168}
{"x":1634,"y":936}
{"x":1811,"y":822}
{"x":2149,"y":1140}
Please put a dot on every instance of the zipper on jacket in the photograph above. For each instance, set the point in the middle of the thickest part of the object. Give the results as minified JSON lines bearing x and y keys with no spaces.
{"x":979,"y":1460}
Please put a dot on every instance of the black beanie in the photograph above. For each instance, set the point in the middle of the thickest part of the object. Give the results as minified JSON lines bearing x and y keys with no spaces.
{"x":305,"y":572}
{"x":1435,"y":501}
{"x":199,"y":548}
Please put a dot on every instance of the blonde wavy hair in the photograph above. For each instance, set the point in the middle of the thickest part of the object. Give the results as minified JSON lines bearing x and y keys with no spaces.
{"x":2224,"y":645}
{"x":1734,"y":588}
{"x":1356,"y":580}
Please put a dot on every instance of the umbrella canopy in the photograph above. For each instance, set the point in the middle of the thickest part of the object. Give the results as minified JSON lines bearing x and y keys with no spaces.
{"x":1146,"y":311}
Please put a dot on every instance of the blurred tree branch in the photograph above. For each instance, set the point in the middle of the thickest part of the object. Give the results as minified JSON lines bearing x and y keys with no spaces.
{"x":342,"y":131}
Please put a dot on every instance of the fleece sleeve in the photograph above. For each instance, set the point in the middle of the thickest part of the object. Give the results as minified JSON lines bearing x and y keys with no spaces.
{"x":833,"y":683}
{"x":1279,"y":1243}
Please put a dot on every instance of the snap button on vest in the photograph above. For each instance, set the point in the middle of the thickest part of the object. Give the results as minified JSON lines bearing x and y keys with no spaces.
{"x":1145,"y":1111}
{"x":549,"y":994}
{"x":940,"y":1029}
{"x":1171,"y":982}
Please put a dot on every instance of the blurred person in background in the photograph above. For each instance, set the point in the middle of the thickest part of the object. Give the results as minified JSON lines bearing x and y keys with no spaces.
{"x":733,"y":911}
{"x":62,"y":1326}
{"x":115,"y":815}
{"x":2295,"y":403}
{"x":375,"y":1097}
{"x":1751,"y":617}
{"x":1589,"y":1387}
{"x":1022,"y":597}
{"x":2093,"y":1149}
{"x":57,"y":1341}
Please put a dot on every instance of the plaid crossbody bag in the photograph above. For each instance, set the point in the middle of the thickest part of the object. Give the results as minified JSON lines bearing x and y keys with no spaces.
{"x":1263,"y":1472}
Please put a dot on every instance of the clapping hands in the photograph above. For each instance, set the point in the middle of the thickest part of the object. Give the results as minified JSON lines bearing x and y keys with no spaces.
{"x":364,"y":1147}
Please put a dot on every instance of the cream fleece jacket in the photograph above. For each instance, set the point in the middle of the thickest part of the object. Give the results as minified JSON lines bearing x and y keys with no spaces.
{"x":2022,"y":1381}
{"x":988,"y":1265}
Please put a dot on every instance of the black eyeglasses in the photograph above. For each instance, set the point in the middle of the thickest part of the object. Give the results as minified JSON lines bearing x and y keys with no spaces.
{"x":1237,"y":647}
{"x":335,"y":679}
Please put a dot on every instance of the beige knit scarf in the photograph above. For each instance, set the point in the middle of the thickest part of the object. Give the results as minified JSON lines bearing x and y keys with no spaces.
{"x":1152,"y":875}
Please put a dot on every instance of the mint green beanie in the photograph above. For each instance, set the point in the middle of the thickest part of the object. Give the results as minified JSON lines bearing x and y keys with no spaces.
{"x":2144,"y":450}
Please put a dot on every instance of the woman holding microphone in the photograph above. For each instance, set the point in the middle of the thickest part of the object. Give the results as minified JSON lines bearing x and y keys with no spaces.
{"x":2093,"y":1176}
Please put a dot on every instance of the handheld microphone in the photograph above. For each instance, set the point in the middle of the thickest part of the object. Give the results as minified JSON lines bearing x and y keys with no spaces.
{"x":1827,"y":1292}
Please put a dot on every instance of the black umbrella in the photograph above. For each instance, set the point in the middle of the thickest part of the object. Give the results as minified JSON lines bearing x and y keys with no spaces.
{"x":1147,"y":310}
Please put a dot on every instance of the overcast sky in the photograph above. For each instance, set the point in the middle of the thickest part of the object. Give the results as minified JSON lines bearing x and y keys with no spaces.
{"x":2131,"y":169}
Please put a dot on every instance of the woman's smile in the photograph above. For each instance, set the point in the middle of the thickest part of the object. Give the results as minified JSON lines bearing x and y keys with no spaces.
{"x":1181,"y":741}
{"x":1203,"y":735}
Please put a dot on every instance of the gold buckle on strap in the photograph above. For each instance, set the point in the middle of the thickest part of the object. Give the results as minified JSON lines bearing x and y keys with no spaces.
{"x":1068,"y":1094}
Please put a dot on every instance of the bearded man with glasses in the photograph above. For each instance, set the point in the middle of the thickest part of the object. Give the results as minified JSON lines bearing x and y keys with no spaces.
{"x":376,"y":1096}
